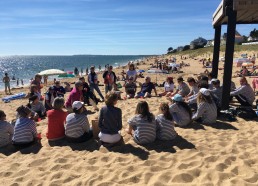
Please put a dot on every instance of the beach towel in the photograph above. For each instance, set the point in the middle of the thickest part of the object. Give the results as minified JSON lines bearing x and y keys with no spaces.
{"x":13,"y":97}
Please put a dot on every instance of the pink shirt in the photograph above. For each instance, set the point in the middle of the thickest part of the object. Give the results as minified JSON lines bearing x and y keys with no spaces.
{"x":75,"y":95}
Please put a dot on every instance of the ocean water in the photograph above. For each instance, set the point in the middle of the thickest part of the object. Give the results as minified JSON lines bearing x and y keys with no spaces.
{"x":25,"y":67}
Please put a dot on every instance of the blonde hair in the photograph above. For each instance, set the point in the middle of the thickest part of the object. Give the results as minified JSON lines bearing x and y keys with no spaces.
{"x":202,"y":98}
{"x":111,"y":98}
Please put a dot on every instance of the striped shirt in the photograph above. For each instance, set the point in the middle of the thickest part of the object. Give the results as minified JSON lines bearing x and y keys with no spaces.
{"x":6,"y":133}
{"x":245,"y":91}
{"x":207,"y":111}
{"x":165,"y":128}
{"x":144,"y":131}
{"x":24,"y":130}
{"x":183,"y":89}
{"x":180,"y":114}
{"x":76,"y":125}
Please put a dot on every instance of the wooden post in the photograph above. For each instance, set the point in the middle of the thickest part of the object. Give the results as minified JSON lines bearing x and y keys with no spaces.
{"x":229,"y":54}
{"x":216,"y":49}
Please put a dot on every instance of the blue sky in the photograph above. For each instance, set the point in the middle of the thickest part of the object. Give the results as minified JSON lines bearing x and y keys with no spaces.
{"x":66,"y":27}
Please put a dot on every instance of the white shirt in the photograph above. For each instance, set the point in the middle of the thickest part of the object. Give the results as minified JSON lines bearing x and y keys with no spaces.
{"x":169,"y":87}
{"x":131,"y":73}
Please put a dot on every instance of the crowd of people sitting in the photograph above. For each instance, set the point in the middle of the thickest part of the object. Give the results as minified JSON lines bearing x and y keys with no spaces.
{"x":197,"y":100}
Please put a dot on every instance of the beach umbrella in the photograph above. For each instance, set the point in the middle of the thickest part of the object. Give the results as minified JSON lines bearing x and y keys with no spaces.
{"x":141,"y":70}
{"x":51,"y":72}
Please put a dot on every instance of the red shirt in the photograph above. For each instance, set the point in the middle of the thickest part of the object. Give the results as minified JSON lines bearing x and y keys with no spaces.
{"x":75,"y":95}
{"x":56,"y":121}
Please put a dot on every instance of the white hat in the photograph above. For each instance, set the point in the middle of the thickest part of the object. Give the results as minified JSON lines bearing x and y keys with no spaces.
{"x":205,"y":91}
{"x":77,"y":105}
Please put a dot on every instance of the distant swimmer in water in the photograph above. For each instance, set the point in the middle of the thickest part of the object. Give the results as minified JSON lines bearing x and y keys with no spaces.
{"x":6,"y":81}
{"x":13,"y":78}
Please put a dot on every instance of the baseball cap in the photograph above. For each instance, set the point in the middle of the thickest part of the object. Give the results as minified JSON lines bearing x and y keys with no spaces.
{"x":77,"y":105}
{"x":205,"y":91}
{"x":177,"y":98}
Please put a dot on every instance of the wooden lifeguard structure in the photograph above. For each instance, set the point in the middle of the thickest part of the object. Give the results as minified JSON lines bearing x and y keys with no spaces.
{"x":230,"y":13}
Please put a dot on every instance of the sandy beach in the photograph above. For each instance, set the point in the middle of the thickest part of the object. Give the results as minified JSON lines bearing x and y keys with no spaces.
{"x":224,"y":153}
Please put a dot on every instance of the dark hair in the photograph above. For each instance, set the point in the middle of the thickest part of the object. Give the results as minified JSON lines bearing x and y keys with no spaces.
{"x":33,"y":98}
{"x":205,"y":78}
{"x":142,"y":108}
{"x":165,"y":110}
{"x":203,"y":84}
{"x":211,"y":75}
{"x":186,"y":107}
{"x":23,"y":111}
{"x":111,"y":98}
{"x":190,"y":79}
{"x":2,"y":114}
{"x":77,"y":111}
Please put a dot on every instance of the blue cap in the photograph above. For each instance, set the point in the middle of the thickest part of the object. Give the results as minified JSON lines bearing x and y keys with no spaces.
{"x":177,"y":98}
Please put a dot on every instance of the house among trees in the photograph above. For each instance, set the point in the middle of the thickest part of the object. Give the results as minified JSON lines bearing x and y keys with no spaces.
{"x":238,"y":38}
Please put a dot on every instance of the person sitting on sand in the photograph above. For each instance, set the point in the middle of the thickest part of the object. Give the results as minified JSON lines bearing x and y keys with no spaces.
{"x":36,"y":106}
{"x":77,"y":127}
{"x":180,"y":111}
{"x":165,"y":124}
{"x":207,"y":109}
{"x":146,"y":89}
{"x":168,"y":87}
{"x":6,"y":81}
{"x":49,"y":98}
{"x":25,"y":131}
{"x":34,"y":91}
{"x":75,"y":95}
{"x":60,"y":90}
{"x":244,"y":94}
{"x":130,"y":88}
{"x":194,"y":87}
{"x":56,"y":120}
{"x":6,"y":130}
{"x":131,"y":72}
{"x":110,"y":120}
{"x":142,"y":126}
{"x":182,"y":88}
{"x":216,"y":92}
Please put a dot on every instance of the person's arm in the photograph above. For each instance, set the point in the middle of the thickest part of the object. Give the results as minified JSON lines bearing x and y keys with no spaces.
{"x":86,"y":125}
{"x":238,"y":91}
{"x":131,"y":122}
{"x":155,"y":91}
{"x":175,"y":92}
{"x":33,"y":129}
{"x":115,"y":78}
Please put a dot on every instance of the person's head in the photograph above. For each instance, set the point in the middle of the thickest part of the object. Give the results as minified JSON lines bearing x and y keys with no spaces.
{"x":38,"y":77}
{"x":6,"y":74}
{"x":170,"y":80}
{"x":82,"y":79}
{"x":243,"y":81}
{"x":147,"y":79}
{"x":110,"y":68}
{"x":2,"y":115}
{"x":57,"y":83}
{"x":164,"y":109}
{"x":203,"y":84}
{"x":204,"y":95}
{"x":131,"y":67}
{"x":34,"y":99}
{"x":205,"y":78}
{"x":111,"y":99}
{"x":142,"y":108}
{"x":79,"y":85}
{"x":210,"y":76}
{"x":58,"y":103}
{"x":177,"y":98}
{"x":78,"y":107}
{"x":24,"y":111}
{"x":92,"y":68}
{"x":180,"y":80}
{"x":215,"y":83}
{"x":191,"y":81}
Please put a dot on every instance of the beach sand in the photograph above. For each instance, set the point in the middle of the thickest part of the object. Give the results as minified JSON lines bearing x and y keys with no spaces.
{"x":221,"y":154}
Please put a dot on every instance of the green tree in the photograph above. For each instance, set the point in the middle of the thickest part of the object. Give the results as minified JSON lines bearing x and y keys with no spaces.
{"x":170,"y":49}
{"x":254,"y":33}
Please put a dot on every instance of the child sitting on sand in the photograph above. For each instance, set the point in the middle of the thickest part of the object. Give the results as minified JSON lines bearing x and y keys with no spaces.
{"x":143,"y":124}
{"x":6,"y":130}
{"x":36,"y":106}
{"x":25,"y":132}
{"x":165,"y":125}
{"x":180,"y":111}
{"x":130,"y":88}
{"x":110,"y":120}
{"x":207,"y":110}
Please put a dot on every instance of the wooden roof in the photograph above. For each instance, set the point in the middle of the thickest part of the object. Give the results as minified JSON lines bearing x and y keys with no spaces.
{"x":247,"y":12}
